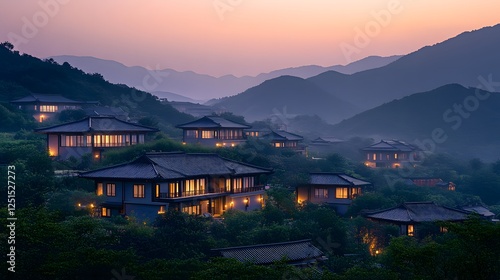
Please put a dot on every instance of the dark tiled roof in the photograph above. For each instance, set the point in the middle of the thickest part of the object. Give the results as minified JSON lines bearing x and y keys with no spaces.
{"x":481,"y":210}
{"x":213,"y":122}
{"x":295,"y":251}
{"x":96,"y":124}
{"x":418,"y":212}
{"x":337,"y":179}
{"x":281,"y":135}
{"x":327,"y":140}
{"x":50,"y":98}
{"x":104,"y":111}
{"x":391,"y":146}
{"x":176,"y":166}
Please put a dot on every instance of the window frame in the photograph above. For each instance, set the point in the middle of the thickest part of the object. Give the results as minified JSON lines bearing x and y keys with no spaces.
{"x":110,"y":189}
{"x":139,"y":191}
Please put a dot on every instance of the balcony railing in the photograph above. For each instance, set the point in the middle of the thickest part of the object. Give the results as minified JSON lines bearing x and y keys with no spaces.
{"x":212,"y":191}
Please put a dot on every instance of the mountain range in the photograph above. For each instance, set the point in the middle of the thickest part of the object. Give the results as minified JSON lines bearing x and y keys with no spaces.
{"x":450,"y":118}
{"x":193,"y":87}
{"x":467,"y":59}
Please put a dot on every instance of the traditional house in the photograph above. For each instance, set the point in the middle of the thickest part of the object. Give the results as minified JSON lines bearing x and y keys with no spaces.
{"x":326,"y":141}
{"x":298,"y":253}
{"x":335,"y":189}
{"x":390,"y":153}
{"x":213,"y":131}
{"x":283,"y":139}
{"x":45,"y":106}
{"x":324,"y":145}
{"x":409,"y":215}
{"x":92,"y":135}
{"x":191,"y":183}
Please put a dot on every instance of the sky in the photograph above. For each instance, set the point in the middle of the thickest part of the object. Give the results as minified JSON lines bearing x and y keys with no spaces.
{"x":238,"y":37}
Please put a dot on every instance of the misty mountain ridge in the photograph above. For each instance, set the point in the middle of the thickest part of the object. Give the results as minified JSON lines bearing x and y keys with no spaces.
{"x":201,"y":87}
{"x":286,"y":97}
{"x":461,"y":59}
{"x":453,"y":118}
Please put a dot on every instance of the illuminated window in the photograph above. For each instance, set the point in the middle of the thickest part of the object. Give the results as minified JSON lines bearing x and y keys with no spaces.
{"x":99,"y":190}
{"x":410,"y":230}
{"x":341,"y":192}
{"x":110,"y":189}
{"x":73,"y":141}
{"x":248,"y":182}
{"x":237,"y":183}
{"x":194,"y":187}
{"x":355,"y":192}
{"x":48,"y":108}
{"x":279,"y":145}
{"x":139,"y":191}
{"x":228,"y":185}
{"x":206,"y":134}
{"x":191,"y":210}
{"x":396,"y":156}
{"x":374,"y":156}
{"x":320,"y":193}
{"x":173,"y":189}
{"x":367,"y":156}
{"x":157,"y":190}
{"x":443,"y":229}
{"x":105,"y":212}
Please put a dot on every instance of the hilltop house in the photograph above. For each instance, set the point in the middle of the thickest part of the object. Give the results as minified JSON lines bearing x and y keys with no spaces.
{"x":283,"y":139}
{"x":213,"y":131}
{"x":409,"y":215}
{"x":335,"y":189}
{"x":390,"y":153}
{"x":45,"y":106}
{"x":92,"y":135}
{"x":324,"y":145}
{"x":191,"y":183}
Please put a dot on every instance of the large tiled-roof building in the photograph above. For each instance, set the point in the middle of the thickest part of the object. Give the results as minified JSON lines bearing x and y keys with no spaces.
{"x":92,"y":135}
{"x":44,"y":106}
{"x":213,"y":131}
{"x":191,"y":183}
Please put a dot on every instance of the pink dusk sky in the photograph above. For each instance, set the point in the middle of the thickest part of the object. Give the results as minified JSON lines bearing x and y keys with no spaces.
{"x":239,"y":37}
